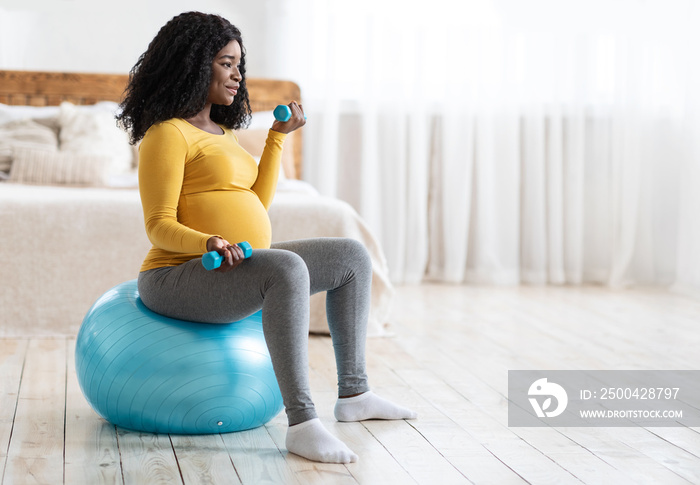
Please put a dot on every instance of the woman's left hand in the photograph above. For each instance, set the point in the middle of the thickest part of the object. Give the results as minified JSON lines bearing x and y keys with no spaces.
{"x":296,"y":121}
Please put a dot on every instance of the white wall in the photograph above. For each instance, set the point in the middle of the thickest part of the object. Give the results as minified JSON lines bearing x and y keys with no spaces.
{"x":100,"y":36}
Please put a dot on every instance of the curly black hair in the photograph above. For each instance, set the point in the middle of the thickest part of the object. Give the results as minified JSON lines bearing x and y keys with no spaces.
{"x":171,"y":79}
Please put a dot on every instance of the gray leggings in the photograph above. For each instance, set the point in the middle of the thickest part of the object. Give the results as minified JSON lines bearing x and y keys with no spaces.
{"x":280,"y":280}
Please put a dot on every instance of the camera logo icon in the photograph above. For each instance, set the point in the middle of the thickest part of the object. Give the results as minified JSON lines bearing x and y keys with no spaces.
{"x":543,"y":388}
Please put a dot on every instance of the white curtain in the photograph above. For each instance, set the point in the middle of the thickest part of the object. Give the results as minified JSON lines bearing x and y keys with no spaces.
{"x":506,"y":142}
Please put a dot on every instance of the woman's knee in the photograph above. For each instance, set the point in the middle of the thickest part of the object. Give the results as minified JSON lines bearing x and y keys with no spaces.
{"x":290,"y":270}
{"x":359,"y":250}
{"x":350,"y":261}
{"x":357,"y":255}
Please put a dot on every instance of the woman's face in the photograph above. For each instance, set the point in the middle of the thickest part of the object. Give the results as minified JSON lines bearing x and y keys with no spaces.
{"x":225,"y":76}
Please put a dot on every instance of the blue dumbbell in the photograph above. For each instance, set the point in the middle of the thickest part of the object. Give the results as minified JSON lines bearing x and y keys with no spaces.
{"x":283,"y":113}
{"x":213,"y":260}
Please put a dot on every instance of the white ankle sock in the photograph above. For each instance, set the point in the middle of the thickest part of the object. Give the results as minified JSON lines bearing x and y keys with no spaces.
{"x":312,"y":440}
{"x":370,"y":406}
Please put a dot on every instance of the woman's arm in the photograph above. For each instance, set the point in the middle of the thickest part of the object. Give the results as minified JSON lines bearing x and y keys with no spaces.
{"x":269,"y":168}
{"x":162,"y":155}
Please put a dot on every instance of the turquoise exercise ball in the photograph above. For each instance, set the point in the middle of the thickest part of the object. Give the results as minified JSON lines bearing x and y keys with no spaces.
{"x":146,"y":372}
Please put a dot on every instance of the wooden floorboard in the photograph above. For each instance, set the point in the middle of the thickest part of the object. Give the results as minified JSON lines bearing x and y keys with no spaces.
{"x":12,"y":358}
{"x":448,"y":360}
{"x":91,"y":446}
{"x":148,"y":458}
{"x":204,"y":459}
{"x":35,"y":454}
{"x":257,"y":458}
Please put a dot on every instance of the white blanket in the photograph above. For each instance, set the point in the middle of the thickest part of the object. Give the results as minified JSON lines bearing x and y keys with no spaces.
{"x":62,"y":247}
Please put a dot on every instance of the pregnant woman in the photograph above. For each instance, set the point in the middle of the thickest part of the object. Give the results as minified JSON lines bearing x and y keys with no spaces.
{"x":202,"y":192}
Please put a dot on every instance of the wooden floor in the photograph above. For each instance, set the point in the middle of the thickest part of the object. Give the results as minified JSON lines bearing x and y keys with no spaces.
{"x":448,"y":360}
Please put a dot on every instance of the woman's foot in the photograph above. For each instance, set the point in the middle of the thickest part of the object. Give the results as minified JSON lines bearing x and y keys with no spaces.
{"x":370,"y":406}
{"x":313,"y":441}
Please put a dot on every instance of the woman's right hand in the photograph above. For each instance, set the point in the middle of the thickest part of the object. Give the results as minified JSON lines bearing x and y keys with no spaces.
{"x":232,"y":254}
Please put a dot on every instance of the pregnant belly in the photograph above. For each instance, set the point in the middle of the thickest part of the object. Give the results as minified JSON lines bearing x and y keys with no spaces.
{"x":234,"y":215}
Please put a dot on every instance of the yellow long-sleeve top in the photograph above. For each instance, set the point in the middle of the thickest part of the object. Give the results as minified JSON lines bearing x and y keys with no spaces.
{"x":195,"y":185}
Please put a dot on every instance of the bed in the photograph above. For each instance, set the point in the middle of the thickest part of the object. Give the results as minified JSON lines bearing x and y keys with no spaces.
{"x":70,"y":231}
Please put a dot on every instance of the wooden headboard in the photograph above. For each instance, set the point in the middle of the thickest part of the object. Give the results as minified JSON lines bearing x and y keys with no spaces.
{"x":35,"y":88}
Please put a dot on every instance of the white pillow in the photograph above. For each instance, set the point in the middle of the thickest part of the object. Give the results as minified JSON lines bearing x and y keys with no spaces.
{"x":14,"y":113}
{"x":261,"y":120}
{"x":23,"y":133}
{"x":32,"y":166}
{"x":93,"y":130}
